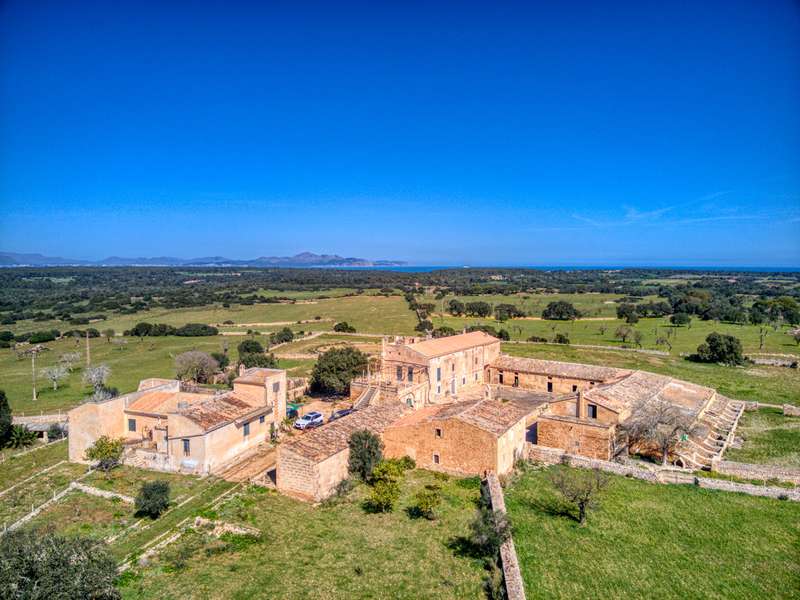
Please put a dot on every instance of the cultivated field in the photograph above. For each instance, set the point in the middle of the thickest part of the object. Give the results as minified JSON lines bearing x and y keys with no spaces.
{"x":655,"y":541}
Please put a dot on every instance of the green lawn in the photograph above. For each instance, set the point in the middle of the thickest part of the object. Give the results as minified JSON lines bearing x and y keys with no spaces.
{"x":655,"y":541}
{"x":773,"y":385}
{"x":768,"y":437}
{"x":327,"y":552}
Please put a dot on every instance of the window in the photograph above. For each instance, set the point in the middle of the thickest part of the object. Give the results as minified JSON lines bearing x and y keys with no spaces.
{"x":476,"y":377}
{"x":436,"y":459}
{"x":276,"y":387}
{"x":549,"y":386}
{"x":438,"y":432}
{"x":516,"y":379}
{"x":438,"y":373}
{"x":246,"y":429}
{"x":592,"y":411}
{"x":410,"y":374}
{"x":464,"y":380}
{"x":399,"y":373}
{"x":591,"y":383}
{"x":574,"y":388}
{"x":261,"y":419}
{"x":186,"y":450}
{"x":438,"y":389}
{"x":500,"y":377}
{"x":452,"y":367}
{"x":131,"y":424}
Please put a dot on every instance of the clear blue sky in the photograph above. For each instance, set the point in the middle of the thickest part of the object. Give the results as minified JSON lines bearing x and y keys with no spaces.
{"x":538,"y":133}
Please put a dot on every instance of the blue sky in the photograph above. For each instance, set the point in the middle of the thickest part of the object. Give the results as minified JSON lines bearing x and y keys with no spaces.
{"x":552,"y":133}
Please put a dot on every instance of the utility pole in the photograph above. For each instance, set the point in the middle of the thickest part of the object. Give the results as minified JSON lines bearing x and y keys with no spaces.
{"x":33,"y":351}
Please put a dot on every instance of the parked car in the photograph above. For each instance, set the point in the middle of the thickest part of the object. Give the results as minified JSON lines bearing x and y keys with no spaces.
{"x":307,"y":421}
{"x":339,"y":414}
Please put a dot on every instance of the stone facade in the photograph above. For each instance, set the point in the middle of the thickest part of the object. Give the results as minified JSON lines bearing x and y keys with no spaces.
{"x":590,"y":439}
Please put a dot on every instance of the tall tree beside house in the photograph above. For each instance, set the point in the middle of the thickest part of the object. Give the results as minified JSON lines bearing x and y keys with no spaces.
{"x":5,"y":419}
{"x":195,"y":366}
{"x":366,"y":451}
{"x":560,"y":311}
{"x":657,"y":425}
{"x":42,"y":564}
{"x":336,"y":368}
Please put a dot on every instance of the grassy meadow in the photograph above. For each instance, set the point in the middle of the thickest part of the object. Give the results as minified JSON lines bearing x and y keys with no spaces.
{"x":768,"y":437}
{"x":655,"y":541}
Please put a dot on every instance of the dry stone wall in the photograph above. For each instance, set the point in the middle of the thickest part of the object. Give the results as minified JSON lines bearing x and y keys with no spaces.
{"x":512,"y":576}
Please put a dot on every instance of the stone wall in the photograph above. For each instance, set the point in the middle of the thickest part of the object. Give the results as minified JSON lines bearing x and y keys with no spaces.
{"x":753,"y":471}
{"x":655,"y":474}
{"x":791,"y":411}
{"x":512,"y":577}
{"x":590,"y":439}
{"x":296,"y":475}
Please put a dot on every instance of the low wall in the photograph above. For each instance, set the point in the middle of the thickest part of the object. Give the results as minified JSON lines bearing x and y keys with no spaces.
{"x":656,"y":474}
{"x":753,"y":471}
{"x":512,"y":577}
{"x":791,"y":411}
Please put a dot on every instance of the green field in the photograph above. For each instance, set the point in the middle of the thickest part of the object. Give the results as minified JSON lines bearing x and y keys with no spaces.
{"x":368,"y":313}
{"x":655,"y":541}
{"x":590,"y":304}
{"x":773,"y":385}
{"x":768,"y":437}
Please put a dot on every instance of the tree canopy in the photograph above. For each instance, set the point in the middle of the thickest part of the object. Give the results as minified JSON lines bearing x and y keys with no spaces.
{"x":336,"y":368}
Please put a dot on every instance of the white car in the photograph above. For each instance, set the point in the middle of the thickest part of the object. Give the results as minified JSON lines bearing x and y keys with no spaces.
{"x":307,"y":421}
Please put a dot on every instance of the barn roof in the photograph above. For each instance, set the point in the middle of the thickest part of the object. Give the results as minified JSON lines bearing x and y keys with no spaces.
{"x":493,"y":416}
{"x":218,"y":410}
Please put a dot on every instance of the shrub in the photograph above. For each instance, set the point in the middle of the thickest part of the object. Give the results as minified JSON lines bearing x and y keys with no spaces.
{"x":42,"y":564}
{"x":680,"y":319}
{"x":196,"y":330}
{"x":336,"y":368}
{"x":344,"y":327}
{"x":720,"y":348}
{"x":39,"y":337}
{"x":283,"y":336}
{"x":366,"y":451}
{"x":423,"y":326}
{"x":384,"y":496}
{"x":489,"y":530}
{"x":222,"y":359}
{"x":153,"y":499}
{"x":427,"y":500}
{"x":264,"y":361}
{"x":20,"y":436}
{"x":443,"y":331}
{"x":561,"y":338}
{"x":56,"y":432}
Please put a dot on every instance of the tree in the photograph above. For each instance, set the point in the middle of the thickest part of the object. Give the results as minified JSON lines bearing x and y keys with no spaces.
{"x":638,"y":336}
{"x":796,"y":336}
{"x":424,"y":326}
{"x":366,"y":451}
{"x":223,"y":360}
{"x":579,"y":487}
{"x":56,"y":432}
{"x":679,"y":319}
{"x":623,"y":332}
{"x":560,"y":311}
{"x":109,"y":334}
{"x":250,"y":347}
{"x":264,"y":361}
{"x":503,"y":312}
{"x":662,"y":341}
{"x":344,"y":327}
{"x":336,"y":368}
{"x":106,"y":452}
{"x":5,"y":419}
{"x":55,"y":374}
{"x":20,"y":436}
{"x":42,"y":564}
{"x":443,"y":331}
{"x":456,"y":307}
{"x":152,"y":499}
{"x":385,"y":480}
{"x":561,"y":338}
{"x":478,"y":309}
{"x":195,"y":366}
{"x":97,"y":376}
{"x":657,"y":424}
{"x":68,"y":359}
{"x":628,"y":313}
{"x":283,"y":336}
{"x":196,"y":330}
{"x":720,"y":348}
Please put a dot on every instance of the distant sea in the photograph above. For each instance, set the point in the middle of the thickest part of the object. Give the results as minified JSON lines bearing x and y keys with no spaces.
{"x":428,"y":269}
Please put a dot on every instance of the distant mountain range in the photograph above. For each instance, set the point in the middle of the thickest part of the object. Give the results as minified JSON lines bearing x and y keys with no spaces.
{"x":304,"y":259}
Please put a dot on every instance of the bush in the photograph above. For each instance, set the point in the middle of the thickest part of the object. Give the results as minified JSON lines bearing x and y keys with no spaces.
{"x":680,"y":319}
{"x":336,"y":368}
{"x":283,"y":336}
{"x":427,"y":500}
{"x":561,"y":338}
{"x":424,"y":326}
{"x":42,"y":564}
{"x":106,"y":452}
{"x":344,"y":327}
{"x":366,"y":451}
{"x":489,"y":530}
{"x":153,"y":499}
{"x":20,"y":436}
{"x":222,"y":359}
{"x":263,"y":361}
{"x":384,"y":496}
{"x":39,"y":337}
{"x":443,"y":331}
{"x":720,"y":348}
{"x":56,"y":432}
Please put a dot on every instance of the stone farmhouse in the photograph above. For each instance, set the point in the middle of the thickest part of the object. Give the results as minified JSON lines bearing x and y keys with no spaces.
{"x":458,"y":405}
{"x":168,"y":425}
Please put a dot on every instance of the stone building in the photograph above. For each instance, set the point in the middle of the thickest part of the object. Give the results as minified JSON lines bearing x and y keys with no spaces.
{"x":168,"y":425}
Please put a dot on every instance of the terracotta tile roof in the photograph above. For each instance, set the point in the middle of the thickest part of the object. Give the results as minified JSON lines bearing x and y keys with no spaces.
{"x":217,"y":411}
{"x":557,"y":368}
{"x":453,"y":343}
{"x":323,"y":442}
{"x":492,"y":416}
{"x":162,"y":402}
{"x":256,"y":375}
